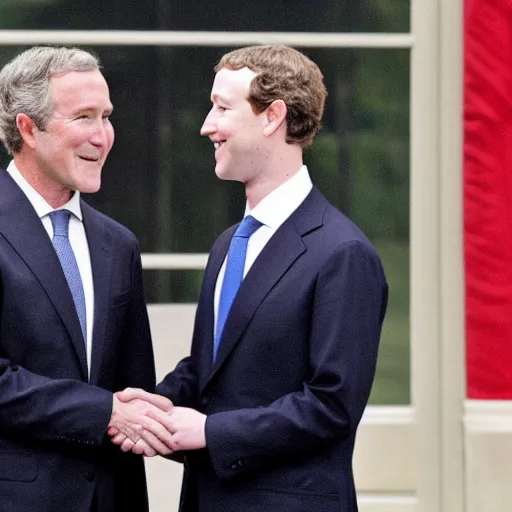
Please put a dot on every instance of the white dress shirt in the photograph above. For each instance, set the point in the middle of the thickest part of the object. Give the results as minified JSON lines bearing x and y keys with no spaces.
{"x":77,"y":239}
{"x":272,"y":211}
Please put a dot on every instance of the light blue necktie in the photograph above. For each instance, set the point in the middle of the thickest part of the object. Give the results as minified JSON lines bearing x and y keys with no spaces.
{"x":60,"y":223}
{"x":234,"y":273}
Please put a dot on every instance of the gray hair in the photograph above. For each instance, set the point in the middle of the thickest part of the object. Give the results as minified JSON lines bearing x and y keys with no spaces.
{"x":25,"y":87}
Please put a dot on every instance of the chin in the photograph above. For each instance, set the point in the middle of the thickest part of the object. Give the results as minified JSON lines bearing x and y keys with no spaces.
{"x":224,"y":174}
{"x":220,"y":171}
{"x":89,"y":187}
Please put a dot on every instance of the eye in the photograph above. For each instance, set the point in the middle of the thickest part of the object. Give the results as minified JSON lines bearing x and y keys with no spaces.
{"x":221,"y":108}
{"x":82,"y":117}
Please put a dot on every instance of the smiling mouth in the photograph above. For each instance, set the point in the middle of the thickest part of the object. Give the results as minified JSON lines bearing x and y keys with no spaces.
{"x":89,"y":159}
{"x":218,"y":144}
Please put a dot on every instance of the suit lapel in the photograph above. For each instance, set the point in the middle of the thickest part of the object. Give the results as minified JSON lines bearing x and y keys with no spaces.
{"x":280,"y":253}
{"x":99,"y":240}
{"x":23,"y":229}
{"x":206,"y":303}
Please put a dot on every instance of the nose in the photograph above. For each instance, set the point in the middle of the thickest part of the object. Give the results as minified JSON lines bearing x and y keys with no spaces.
{"x":99,"y":135}
{"x":209,"y":125}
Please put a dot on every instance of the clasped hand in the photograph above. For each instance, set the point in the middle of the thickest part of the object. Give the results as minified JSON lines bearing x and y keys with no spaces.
{"x":149,"y":424}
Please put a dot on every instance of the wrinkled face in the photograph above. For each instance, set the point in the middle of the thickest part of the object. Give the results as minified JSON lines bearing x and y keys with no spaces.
{"x":235,"y":130}
{"x":71,"y":150}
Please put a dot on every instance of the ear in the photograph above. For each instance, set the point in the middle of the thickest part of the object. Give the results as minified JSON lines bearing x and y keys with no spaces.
{"x":26,"y":127}
{"x":275,"y":116}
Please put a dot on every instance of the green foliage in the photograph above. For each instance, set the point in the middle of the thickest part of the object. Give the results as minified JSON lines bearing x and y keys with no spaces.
{"x":322,"y":159}
{"x":392,"y":380}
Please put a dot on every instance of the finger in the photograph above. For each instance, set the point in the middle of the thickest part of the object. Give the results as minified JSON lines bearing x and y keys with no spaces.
{"x":130,"y":394}
{"x":142,"y":448}
{"x":132,"y":430}
{"x":159,"y":401}
{"x":149,"y":452}
{"x":155,"y":444}
{"x":118,"y":439}
{"x":127,"y":445}
{"x":166,"y":419}
{"x":157,"y":434}
{"x":112,"y":431}
{"x":160,"y":425}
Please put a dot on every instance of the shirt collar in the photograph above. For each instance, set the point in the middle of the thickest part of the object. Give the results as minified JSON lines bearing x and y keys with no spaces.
{"x":41,"y":207}
{"x":277,"y":206}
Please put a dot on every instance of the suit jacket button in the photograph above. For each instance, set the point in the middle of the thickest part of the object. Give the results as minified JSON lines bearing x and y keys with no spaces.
{"x":89,"y":476}
{"x":234,"y":466}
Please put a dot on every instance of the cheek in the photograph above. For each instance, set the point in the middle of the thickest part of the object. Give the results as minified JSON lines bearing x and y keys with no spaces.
{"x":227,"y":125}
{"x":72,"y":139}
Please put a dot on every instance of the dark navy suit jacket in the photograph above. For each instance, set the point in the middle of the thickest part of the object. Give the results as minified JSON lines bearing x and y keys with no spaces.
{"x":293,"y":372}
{"x":54,"y":452}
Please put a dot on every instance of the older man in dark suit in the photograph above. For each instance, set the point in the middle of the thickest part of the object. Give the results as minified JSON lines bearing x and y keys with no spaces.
{"x":73,"y":322}
{"x":289,"y":318}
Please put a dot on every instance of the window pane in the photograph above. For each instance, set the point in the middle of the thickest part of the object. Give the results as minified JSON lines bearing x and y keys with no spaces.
{"x":360,"y":161}
{"x":166,"y":286}
{"x":159,"y":179}
{"x":221,"y":15}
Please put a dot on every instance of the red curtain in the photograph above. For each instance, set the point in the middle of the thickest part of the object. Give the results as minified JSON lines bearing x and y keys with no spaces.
{"x":488,"y":196}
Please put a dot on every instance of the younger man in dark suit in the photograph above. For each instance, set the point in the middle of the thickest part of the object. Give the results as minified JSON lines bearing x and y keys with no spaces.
{"x":289,"y":318}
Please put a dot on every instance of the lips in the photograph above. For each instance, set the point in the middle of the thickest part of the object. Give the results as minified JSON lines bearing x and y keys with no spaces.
{"x":89,"y":158}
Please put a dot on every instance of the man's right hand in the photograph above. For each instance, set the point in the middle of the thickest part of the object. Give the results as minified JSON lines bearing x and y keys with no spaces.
{"x":131,"y":422}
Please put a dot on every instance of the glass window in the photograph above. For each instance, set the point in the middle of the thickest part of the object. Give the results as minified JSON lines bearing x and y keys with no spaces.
{"x":169,"y":286}
{"x":159,"y":179}
{"x":221,"y":15}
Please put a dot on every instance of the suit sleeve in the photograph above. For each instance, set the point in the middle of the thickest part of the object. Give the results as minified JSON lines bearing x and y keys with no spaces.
{"x":180,"y":386}
{"x":46,"y":409}
{"x":347,"y":313}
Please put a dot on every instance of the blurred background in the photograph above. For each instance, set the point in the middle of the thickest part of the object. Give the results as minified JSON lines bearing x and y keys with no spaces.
{"x":159,"y":179}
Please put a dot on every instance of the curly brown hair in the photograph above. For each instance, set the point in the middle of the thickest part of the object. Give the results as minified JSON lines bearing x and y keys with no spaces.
{"x":283,"y":73}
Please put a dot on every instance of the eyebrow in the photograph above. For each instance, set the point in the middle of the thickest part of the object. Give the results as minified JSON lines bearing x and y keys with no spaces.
{"x":217,"y":96}
{"x":84,"y":109}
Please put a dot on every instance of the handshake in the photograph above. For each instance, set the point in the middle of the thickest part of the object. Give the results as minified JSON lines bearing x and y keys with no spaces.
{"x":149,"y":424}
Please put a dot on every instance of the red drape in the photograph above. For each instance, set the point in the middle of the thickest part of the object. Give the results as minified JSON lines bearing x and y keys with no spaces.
{"x":488,"y":196}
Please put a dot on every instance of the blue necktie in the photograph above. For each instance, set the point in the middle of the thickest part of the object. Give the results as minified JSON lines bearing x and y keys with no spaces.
{"x":234,"y":273}
{"x":60,"y":223}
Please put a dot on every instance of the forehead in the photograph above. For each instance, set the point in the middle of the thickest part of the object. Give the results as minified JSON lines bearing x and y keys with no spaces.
{"x":80,"y":89}
{"x":231,"y":82}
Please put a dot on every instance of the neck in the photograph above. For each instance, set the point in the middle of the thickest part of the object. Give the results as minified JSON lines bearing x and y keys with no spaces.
{"x":278,"y":171}
{"x":53,"y":193}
